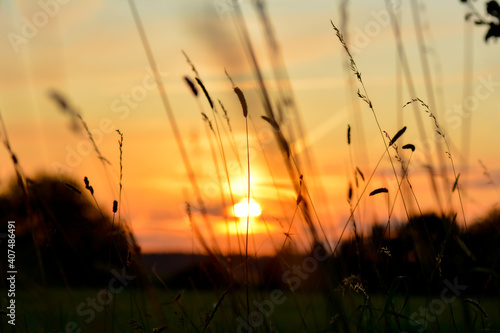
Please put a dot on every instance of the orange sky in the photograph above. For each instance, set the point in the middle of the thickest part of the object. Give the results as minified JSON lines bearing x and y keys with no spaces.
{"x":90,"y":52}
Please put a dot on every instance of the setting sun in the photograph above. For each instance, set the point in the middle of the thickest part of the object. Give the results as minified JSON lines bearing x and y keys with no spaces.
{"x":243,"y":208}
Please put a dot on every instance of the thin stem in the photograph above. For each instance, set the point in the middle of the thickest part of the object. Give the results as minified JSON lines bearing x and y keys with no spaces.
{"x":120,"y":143}
{"x":248,"y":220}
{"x":171,"y":118}
{"x":366,"y":98}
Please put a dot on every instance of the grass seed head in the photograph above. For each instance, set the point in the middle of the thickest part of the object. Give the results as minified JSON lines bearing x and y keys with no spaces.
{"x":206,"y":93}
{"x":74,"y":189}
{"x":243,"y":101}
{"x":191,"y":85}
{"x":379,"y":190}
{"x":60,"y":100}
{"x":409,"y":146}
{"x":397,"y":136}
{"x":348,"y":134}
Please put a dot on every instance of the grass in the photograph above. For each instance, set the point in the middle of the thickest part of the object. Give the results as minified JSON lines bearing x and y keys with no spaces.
{"x":374,"y":282}
{"x":51,"y":310}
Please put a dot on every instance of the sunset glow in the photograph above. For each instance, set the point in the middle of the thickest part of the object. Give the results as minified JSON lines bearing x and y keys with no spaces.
{"x":250,"y":165}
{"x":315,"y":103}
{"x":243,"y":208}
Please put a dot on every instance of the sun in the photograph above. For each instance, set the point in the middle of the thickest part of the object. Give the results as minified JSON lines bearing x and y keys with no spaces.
{"x":244,"y":209}
{"x":241,"y":210}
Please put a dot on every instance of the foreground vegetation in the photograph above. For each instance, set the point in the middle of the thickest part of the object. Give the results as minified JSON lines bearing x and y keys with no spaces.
{"x":430,"y":272}
{"x":50,"y":310}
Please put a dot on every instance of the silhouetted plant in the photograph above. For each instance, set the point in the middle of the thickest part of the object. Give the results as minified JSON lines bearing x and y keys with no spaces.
{"x":74,"y":236}
{"x":492,"y":9}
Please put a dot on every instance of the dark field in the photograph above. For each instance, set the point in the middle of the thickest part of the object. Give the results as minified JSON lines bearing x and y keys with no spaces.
{"x":52,"y":309}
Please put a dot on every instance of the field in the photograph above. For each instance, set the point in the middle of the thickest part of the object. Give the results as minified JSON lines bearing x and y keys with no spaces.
{"x":355,"y":205}
{"x":52,"y":309}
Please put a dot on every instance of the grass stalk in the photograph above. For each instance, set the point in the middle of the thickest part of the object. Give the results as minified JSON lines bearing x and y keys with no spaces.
{"x":270,"y":114}
{"x":441,"y":133}
{"x":366,"y":98}
{"x":411,"y":90}
{"x":120,"y":146}
{"x":244,"y":107}
{"x":21,"y":181}
{"x":429,"y":86}
{"x":170,"y":115}
{"x":218,"y":137}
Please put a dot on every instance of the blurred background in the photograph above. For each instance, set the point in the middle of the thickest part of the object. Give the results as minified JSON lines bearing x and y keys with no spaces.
{"x":90,"y":53}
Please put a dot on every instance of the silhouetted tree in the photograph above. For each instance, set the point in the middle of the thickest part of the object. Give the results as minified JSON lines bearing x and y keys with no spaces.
{"x":61,"y":228}
{"x":493,"y":10}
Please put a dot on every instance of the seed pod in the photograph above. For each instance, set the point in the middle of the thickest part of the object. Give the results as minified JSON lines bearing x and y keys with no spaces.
{"x":191,"y":85}
{"x":379,"y":190}
{"x":243,"y":102}
{"x":409,"y":146}
{"x":397,"y":136}
{"x":206,"y":93}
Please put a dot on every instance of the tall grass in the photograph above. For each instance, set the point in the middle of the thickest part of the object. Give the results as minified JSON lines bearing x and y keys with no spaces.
{"x":22,"y":183}
{"x":363,"y":285}
{"x":171,"y":118}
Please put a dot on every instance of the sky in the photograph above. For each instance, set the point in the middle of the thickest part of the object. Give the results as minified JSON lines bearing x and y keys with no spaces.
{"x":91,"y":53}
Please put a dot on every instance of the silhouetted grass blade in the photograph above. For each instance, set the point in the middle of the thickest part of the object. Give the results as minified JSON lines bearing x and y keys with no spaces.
{"x":397,"y":136}
{"x":360,"y":173}
{"x":477,"y":306}
{"x":243,"y":102}
{"x":379,"y":190}
{"x":73,"y":188}
{"x":455,"y":184}
{"x":348,"y":134}
{"x":409,"y":146}
{"x":206,"y":92}
{"x":191,"y":85}
{"x":390,"y":296}
{"x":272,"y":122}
